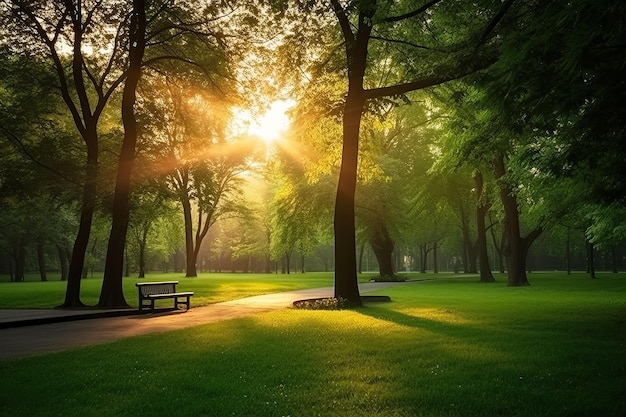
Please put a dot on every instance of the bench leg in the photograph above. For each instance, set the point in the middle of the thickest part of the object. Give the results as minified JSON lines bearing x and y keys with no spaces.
{"x":177,"y":302}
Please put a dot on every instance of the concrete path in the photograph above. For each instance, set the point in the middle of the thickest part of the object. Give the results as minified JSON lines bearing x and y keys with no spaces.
{"x":67,"y":329}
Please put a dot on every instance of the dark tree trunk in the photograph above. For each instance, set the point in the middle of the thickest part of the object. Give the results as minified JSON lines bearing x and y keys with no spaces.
{"x":77,"y":262}
{"x":424,"y":251}
{"x":356,"y":47}
{"x":568,"y":260}
{"x":435,"y":261}
{"x":591,"y":265}
{"x":382,"y":246}
{"x":268,"y":262}
{"x":499,"y":248}
{"x":142,"y":252}
{"x":63,"y":262}
{"x":481,"y":210}
{"x":189,"y":245}
{"x":346,"y":284}
{"x":112,"y":294}
{"x":517,"y":247}
{"x":19,"y":259}
{"x":470,"y":254}
{"x":41,"y":262}
{"x":361,"y":252}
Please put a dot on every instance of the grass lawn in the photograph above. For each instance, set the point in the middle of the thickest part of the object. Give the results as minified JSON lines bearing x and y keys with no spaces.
{"x":453,"y":347}
{"x":208,"y":288}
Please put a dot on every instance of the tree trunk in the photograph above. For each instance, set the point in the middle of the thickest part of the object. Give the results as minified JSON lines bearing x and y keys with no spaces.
{"x":481,"y":210}
{"x":63,"y":262}
{"x":424,"y":251}
{"x":346,"y":284}
{"x":112,"y":294}
{"x":201,"y":232}
{"x":361,"y":252}
{"x":356,"y":48}
{"x":268,"y":261}
{"x":591,"y":265}
{"x":189,"y":242}
{"x":435,"y":261}
{"x":499,"y":248}
{"x":19,"y":258}
{"x":142,"y":253}
{"x":288,"y":262}
{"x":77,"y":262}
{"x":41,"y":262}
{"x":382,"y":246}
{"x":517,"y":247}
{"x":568,"y":261}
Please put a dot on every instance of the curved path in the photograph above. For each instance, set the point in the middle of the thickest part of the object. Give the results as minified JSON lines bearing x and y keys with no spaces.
{"x":43,"y":338}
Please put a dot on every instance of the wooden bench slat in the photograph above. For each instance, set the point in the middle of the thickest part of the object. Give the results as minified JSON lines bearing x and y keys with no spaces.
{"x":170,"y":295}
{"x":152,"y":291}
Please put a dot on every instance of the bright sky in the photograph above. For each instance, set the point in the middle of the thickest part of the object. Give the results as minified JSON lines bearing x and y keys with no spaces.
{"x":269,"y":126}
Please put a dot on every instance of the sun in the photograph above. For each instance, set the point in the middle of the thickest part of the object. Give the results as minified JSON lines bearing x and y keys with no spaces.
{"x":273,"y":124}
{"x":269,"y":126}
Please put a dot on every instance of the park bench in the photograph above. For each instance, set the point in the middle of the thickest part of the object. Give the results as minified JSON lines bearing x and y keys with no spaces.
{"x":152,"y":291}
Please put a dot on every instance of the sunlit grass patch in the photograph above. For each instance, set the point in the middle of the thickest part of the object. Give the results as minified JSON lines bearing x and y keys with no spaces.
{"x":454,"y":348}
{"x":208,"y":288}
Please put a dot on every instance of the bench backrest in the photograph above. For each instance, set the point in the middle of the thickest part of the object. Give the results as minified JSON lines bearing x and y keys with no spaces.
{"x":152,"y":288}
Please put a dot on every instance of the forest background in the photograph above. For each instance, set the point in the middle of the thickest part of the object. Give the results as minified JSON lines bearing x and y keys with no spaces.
{"x":138,"y":138}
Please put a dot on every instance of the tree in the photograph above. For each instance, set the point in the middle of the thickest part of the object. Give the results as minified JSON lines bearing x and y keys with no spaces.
{"x":560,"y":86}
{"x":112,"y":295}
{"x":563,"y":77}
{"x":190,"y":150}
{"x":483,"y":204}
{"x":86,"y":85}
{"x":357,"y":35}
{"x":149,"y":207}
{"x":299,"y":212}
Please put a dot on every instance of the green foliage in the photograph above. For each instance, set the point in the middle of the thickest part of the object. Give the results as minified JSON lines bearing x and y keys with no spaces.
{"x":571,"y":88}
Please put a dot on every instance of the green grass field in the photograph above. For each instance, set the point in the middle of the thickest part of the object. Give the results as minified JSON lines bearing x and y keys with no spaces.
{"x":452,"y":347}
{"x":208,"y":288}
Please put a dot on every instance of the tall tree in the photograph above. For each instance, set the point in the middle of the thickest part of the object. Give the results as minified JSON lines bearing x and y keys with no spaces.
{"x":112,"y":295}
{"x":482,"y":206}
{"x":362,"y":22}
{"x":86,"y":85}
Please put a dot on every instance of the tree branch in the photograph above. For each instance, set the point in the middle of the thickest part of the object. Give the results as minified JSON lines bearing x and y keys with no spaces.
{"x":413,"y":13}
{"x":494,"y":22}
{"x":148,"y":62}
{"x":58,"y":66}
{"x":343,"y":22}
{"x":413,"y":45}
{"x":398,"y":89}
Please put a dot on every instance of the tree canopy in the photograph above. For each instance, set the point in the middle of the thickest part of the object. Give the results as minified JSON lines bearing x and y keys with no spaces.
{"x":435,"y":133}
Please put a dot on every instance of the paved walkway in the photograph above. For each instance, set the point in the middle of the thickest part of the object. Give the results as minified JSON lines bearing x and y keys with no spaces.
{"x":66,"y":329}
